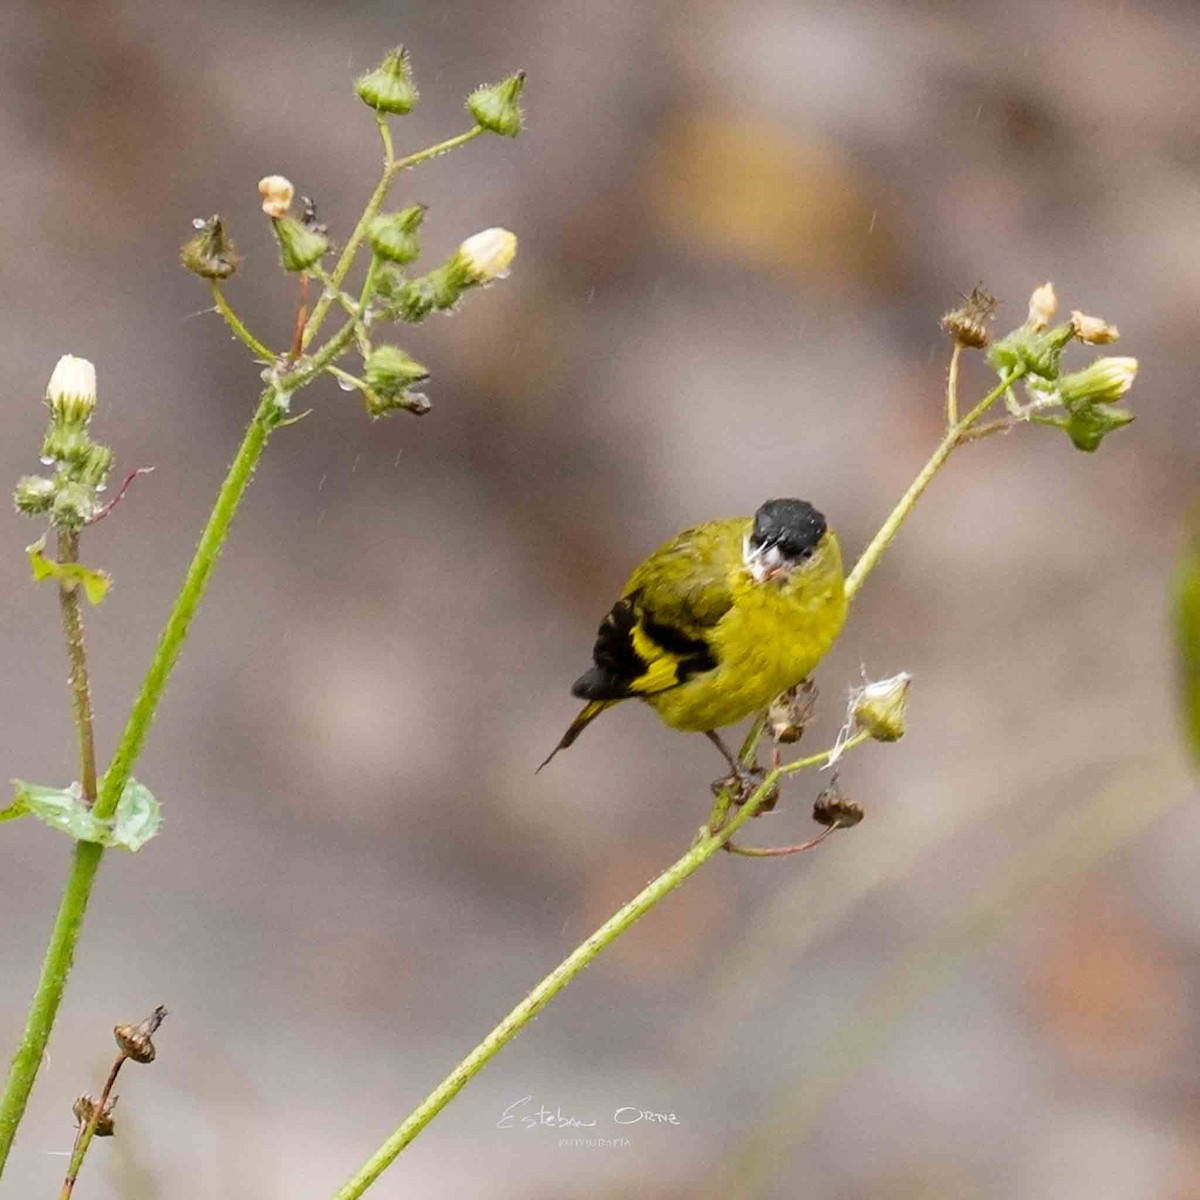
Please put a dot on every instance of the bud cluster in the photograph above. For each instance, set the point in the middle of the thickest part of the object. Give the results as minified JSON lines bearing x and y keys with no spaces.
{"x":389,"y":293}
{"x":1087,"y":396}
{"x":81,"y":466}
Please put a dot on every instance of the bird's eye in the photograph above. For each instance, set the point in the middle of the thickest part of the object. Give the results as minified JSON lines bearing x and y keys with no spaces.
{"x":807,"y":552}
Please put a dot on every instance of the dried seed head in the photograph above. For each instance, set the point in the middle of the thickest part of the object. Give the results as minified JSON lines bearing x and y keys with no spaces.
{"x":832,"y":808}
{"x":276,"y":193}
{"x":136,"y":1041}
{"x":1043,"y":304}
{"x":968,"y":324}
{"x":880,"y":708}
{"x":1095,"y":331}
{"x":84,"y":1109}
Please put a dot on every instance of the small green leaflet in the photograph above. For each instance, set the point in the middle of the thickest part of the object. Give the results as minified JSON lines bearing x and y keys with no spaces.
{"x":95,"y":584}
{"x":137,"y":819}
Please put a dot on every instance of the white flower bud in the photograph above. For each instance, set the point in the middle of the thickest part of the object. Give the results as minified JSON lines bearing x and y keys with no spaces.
{"x":488,"y":255}
{"x":880,"y":708}
{"x":1043,"y":304}
{"x":277,"y":193}
{"x":1095,"y":331}
{"x":71,"y":392}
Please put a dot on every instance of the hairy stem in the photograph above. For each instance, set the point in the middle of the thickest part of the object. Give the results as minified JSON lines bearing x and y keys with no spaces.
{"x":88,"y":1131}
{"x":238,"y":329}
{"x":706,"y":845}
{"x":81,"y":691}
{"x":73,"y":906}
{"x":392,"y":167}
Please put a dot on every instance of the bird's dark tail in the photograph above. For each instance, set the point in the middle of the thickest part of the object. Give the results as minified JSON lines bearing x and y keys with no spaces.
{"x":587,"y":715}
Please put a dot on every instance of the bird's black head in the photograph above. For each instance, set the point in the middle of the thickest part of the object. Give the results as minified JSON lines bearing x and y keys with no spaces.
{"x":793,"y":526}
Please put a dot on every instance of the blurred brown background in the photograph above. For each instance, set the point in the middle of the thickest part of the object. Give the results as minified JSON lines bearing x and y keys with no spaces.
{"x":739,"y":224}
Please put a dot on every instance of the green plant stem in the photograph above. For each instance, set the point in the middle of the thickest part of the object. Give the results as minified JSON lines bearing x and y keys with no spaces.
{"x":81,"y":691}
{"x":1069,"y":843}
{"x":73,"y":906}
{"x":88,"y":1131}
{"x":706,"y":845}
{"x":392,"y":167}
{"x":952,"y":387}
{"x":888,"y":530}
{"x":239,"y":330}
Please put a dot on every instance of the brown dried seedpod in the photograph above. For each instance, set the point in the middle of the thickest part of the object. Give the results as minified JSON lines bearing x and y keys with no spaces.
{"x":832,"y":808}
{"x":135,"y":1041}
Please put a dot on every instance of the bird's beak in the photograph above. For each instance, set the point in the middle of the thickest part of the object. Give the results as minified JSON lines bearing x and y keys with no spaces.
{"x":765,"y":562}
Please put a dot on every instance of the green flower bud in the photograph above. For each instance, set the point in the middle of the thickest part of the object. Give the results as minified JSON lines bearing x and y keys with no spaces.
{"x":390,"y":372}
{"x":1103,"y":380}
{"x":71,"y":392}
{"x":389,"y":88}
{"x":95,"y":465}
{"x":300,"y":245}
{"x":65,"y":444}
{"x":1038,"y":352}
{"x":1088,"y":426}
{"x":73,"y":507}
{"x":497,"y":108}
{"x":393,"y":236}
{"x":34,"y":494}
{"x":881,"y":708}
{"x":211,"y":254}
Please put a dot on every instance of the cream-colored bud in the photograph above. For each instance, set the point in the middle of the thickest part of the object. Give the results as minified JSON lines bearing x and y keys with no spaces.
{"x":488,"y":255}
{"x":1095,"y":331}
{"x":881,"y":708}
{"x":1105,"y":380}
{"x":276,"y":193}
{"x":71,"y":392}
{"x":1043,"y":304}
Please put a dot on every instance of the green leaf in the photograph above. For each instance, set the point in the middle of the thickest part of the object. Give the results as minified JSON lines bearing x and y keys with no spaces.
{"x":95,"y":584}
{"x":61,"y":810}
{"x":18,"y":808}
{"x":1187,"y":633}
{"x":137,"y":819}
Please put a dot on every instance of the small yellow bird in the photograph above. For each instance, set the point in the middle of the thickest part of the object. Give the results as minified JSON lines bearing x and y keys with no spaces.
{"x":719,"y":621}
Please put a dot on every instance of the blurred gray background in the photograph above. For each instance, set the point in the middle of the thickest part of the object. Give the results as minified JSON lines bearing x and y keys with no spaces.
{"x":739,"y":225}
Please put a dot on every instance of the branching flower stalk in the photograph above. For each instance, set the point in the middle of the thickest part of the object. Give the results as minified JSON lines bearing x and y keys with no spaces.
{"x":1032,"y":350}
{"x":69,"y":498}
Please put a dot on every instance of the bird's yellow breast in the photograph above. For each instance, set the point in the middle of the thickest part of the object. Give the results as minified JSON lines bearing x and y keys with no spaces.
{"x":771,"y":638}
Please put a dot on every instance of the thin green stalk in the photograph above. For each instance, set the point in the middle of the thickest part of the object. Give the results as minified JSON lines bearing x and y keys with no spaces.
{"x":88,"y":1131}
{"x":1072,"y":842}
{"x":81,"y":691}
{"x":706,"y":845}
{"x":391,"y":168}
{"x":239,"y":330}
{"x":888,"y":530}
{"x":61,"y":950}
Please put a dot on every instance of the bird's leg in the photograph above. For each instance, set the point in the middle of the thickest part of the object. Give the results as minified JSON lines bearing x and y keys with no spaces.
{"x":744,"y":778}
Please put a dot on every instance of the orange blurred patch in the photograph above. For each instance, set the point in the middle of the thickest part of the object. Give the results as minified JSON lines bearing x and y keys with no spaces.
{"x":765,"y":194}
{"x":1109,"y":997}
